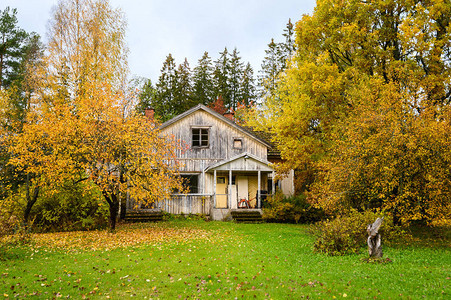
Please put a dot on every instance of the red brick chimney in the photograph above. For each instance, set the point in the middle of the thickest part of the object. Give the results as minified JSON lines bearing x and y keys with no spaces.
{"x":229,"y":115}
{"x":149,"y":112}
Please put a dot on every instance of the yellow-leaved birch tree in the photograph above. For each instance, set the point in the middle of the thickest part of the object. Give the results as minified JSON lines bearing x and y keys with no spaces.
{"x":79,"y":128}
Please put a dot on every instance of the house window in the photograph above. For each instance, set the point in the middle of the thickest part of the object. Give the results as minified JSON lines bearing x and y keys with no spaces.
{"x":237,"y":143}
{"x":191,"y":183}
{"x":200,"y":137}
{"x":220,"y":180}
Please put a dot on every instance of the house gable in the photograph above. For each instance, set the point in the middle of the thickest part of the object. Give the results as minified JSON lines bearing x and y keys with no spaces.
{"x":225,"y":139}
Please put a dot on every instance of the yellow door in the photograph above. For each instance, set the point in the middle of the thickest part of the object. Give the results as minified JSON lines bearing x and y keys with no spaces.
{"x":221,"y":192}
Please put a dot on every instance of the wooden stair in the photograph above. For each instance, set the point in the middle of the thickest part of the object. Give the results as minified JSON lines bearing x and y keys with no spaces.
{"x":144,"y":216}
{"x":247,"y":216}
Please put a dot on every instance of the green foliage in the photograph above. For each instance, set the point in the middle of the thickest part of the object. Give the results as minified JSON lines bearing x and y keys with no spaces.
{"x":347,"y":234}
{"x":70,"y":208}
{"x":294,"y":209}
{"x":12,"y":46}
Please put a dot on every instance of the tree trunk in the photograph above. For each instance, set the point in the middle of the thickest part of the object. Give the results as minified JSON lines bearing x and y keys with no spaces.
{"x":123,"y":206}
{"x":113,"y":204}
{"x":374,"y":239}
{"x":31,"y":200}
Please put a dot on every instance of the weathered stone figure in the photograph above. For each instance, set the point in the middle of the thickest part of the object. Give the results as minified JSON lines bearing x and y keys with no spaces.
{"x":374,"y":238}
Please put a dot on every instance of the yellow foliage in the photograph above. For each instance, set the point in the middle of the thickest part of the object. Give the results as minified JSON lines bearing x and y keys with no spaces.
{"x":80,"y":126}
{"x":365,"y":106}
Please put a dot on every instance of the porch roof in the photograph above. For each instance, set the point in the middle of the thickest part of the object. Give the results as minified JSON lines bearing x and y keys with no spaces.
{"x":242,"y":162}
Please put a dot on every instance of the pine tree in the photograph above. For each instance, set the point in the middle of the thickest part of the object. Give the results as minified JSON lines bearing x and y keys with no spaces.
{"x":203,"y":91}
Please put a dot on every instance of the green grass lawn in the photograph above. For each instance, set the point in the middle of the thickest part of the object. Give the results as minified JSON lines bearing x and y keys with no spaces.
{"x":217,"y":260}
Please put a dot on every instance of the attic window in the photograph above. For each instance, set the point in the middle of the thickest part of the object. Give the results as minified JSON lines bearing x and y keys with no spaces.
{"x":200,"y":137}
{"x":237,"y":143}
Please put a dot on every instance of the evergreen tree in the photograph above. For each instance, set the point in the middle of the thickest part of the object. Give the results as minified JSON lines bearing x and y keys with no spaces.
{"x":182,"y":100}
{"x":221,"y":77}
{"x":235,"y":78}
{"x":275,"y":61}
{"x":13,"y":48}
{"x":203,"y":89}
{"x":270,"y":69}
{"x":247,"y":86}
{"x":146,"y":96}
{"x":287,"y":48}
{"x":165,"y":90}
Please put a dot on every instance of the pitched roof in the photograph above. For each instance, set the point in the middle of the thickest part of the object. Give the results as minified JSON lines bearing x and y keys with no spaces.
{"x":244,"y":155}
{"x":204,"y":108}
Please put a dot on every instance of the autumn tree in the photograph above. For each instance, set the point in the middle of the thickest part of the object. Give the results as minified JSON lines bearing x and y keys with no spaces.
{"x":78,"y":129}
{"x":365,"y":107}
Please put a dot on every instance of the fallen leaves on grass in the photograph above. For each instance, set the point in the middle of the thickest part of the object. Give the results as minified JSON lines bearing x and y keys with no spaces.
{"x":127,"y":235}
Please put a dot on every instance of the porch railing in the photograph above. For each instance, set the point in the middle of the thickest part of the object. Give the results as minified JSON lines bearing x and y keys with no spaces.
{"x":186,"y":204}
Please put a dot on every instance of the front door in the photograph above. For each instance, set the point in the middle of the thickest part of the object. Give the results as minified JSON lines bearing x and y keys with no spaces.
{"x":243,"y":188}
{"x":221,"y":192}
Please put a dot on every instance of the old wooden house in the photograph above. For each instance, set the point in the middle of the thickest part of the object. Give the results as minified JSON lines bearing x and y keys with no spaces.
{"x":226,"y":166}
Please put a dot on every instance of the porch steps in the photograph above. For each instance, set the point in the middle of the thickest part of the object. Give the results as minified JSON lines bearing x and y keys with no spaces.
{"x":143,"y":216}
{"x":247,"y":216}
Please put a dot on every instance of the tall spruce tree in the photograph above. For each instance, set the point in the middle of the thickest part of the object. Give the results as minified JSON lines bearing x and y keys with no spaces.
{"x":221,"y":77}
{"x":183,"y":100}
{"x":247,"y":86}
{"x":270,"y":69}
{"x":235,"y":78}
{"x":203,"y":88}
{"x":13,"y":48}
{"x":275,"y":61}
{"x":165,"y":89}
{"x":146,"y":96}
{"x":287,"y":48}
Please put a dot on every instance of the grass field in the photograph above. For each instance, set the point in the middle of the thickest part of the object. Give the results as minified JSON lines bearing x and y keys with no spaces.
{"x":218,"y":260}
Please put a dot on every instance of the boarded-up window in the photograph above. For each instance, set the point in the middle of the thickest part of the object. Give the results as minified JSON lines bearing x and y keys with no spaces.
{"x":200,"y":137}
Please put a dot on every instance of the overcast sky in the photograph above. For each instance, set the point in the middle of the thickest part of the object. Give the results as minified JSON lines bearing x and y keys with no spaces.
{"x":185,"y":28}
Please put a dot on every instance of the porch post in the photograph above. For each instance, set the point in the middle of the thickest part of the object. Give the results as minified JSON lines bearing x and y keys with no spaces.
{"x":259,"y":188}
{"x":214,"y":188}
{"x":229,"y":196}
{"x":273,"y":182}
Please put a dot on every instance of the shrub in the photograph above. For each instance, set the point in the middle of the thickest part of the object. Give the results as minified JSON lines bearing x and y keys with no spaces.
{"x":347,"y":234}
{"x":294,"y":209}
{"x":71,"y":208}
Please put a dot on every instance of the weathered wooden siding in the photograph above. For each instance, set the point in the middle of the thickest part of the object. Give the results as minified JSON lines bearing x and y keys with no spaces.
{"x":221,"y":137}
{"x":179,"y":204}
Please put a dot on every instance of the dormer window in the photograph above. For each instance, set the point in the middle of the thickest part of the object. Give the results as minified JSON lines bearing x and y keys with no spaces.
{"x":200,"y":137}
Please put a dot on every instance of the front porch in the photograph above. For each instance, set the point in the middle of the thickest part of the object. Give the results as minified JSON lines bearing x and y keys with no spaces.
{"x":242,"y":182}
